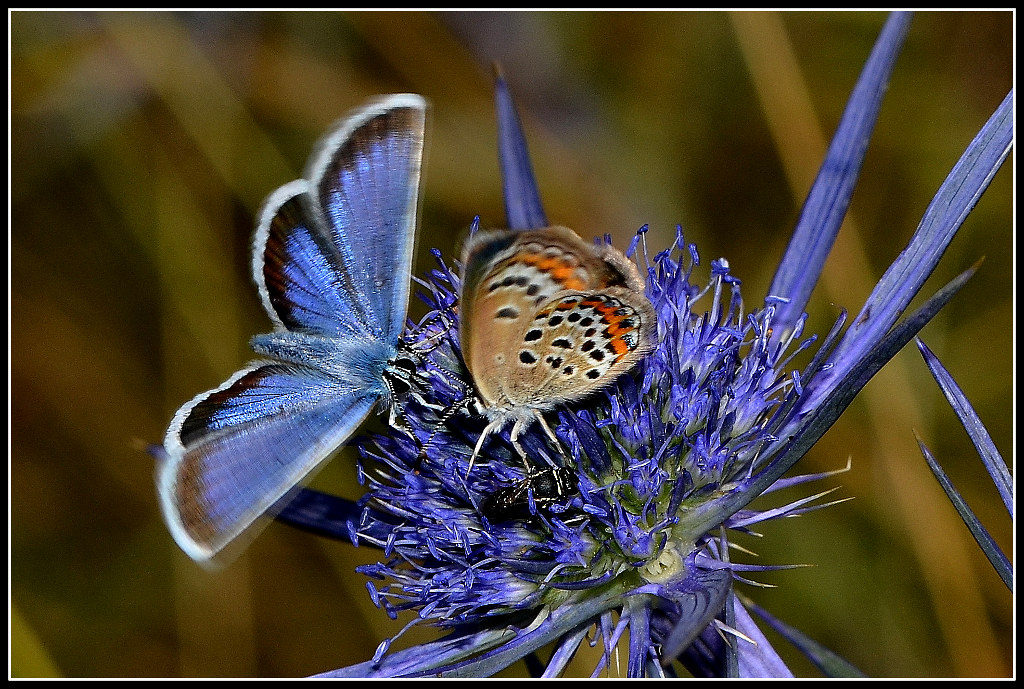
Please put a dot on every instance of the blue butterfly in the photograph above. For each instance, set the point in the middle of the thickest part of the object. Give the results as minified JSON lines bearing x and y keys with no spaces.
{"x":332,"y":258}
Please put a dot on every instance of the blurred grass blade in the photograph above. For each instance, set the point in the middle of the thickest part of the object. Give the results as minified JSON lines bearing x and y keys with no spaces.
{"x":29,"y":657}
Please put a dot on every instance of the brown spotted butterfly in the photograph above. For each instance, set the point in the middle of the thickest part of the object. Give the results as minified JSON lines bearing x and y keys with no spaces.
{"x":546,"y":318}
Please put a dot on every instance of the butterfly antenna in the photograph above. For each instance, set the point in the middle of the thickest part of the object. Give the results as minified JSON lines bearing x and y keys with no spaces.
{"x":427,"y":344}
{"x":417,"y":328}
{"x":448,"y":413}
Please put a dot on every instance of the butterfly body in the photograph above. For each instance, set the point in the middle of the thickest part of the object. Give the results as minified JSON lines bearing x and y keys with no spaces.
{"x":547,"y":318}
{"x":361,"y":362}
{"x":332,"y":259}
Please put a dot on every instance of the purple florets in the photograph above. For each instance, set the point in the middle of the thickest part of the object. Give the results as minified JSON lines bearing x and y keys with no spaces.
{"x":602,"y":512}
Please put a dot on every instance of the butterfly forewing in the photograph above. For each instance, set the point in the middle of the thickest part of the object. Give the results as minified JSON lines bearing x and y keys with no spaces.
{"x":305,"y":285}
{"x":368,"y":189}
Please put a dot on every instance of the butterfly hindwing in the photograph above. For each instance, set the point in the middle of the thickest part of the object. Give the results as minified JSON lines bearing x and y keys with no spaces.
{"x":578,"y":342}
{"x":237,"y":450}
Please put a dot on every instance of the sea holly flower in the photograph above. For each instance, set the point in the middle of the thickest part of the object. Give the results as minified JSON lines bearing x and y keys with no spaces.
{"x":625,"y":529}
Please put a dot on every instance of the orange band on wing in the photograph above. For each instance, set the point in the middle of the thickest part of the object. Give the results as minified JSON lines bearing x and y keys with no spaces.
{"x":558,"y":267}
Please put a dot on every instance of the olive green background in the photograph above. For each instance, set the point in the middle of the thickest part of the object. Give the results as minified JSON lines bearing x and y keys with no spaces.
{"x":143,"y":143}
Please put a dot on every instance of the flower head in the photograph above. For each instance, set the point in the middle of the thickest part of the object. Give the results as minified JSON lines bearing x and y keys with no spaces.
{"x":514,"y":541}
{"x":624,"y":528}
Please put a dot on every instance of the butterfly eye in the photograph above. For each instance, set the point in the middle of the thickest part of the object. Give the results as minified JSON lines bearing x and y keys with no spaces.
{"x":402,"y":375}
{"x":404,"y":364}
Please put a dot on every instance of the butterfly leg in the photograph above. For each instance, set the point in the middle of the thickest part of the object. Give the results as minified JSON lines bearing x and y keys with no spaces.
{"x":521,"y":425}
{"x":398,"y":421}
{"x":518,"y":427}
{"x":550,"y":433}
{"x":396,"y":415}
{"x":488,"y":430}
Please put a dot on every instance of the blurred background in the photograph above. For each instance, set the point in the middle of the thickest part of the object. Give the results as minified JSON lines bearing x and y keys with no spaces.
{"x":143,"y":143}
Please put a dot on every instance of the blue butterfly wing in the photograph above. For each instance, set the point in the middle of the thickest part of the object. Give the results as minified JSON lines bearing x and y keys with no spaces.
{"x":332,"y":260}
{"x":304,"y":286}
{"x":235,"y":451}
{"x":366,"y":183}
{"x":334,"y":254}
